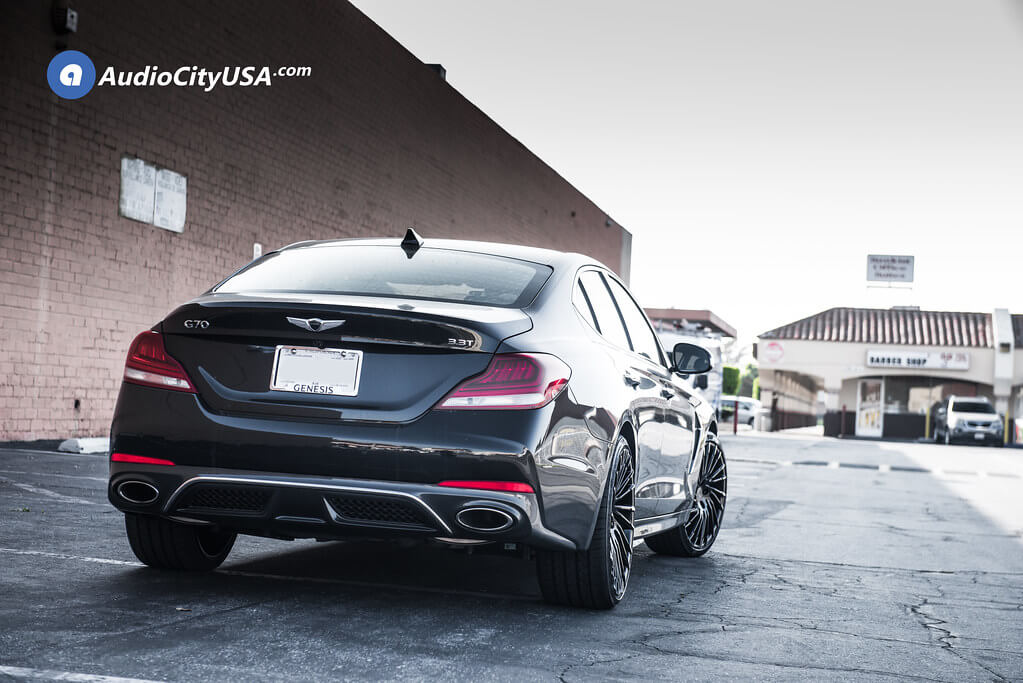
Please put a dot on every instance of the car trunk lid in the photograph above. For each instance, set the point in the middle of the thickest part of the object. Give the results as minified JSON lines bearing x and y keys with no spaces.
{"x":412,"y":351}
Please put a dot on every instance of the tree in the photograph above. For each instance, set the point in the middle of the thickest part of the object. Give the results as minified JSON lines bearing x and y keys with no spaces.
{"x":749,"y":378}
{"x":729,"y":380}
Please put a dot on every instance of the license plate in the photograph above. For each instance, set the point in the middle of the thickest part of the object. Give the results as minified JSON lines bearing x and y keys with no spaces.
{"x":978,"y":437}
{"x":307,"y":370}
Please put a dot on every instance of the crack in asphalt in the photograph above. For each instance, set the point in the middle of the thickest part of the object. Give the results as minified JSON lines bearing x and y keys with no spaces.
{"x":940,"y":629}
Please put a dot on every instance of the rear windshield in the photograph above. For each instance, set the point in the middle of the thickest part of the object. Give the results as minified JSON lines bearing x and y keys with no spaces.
{"x":433,"y":274}
{"x":973,"y":407}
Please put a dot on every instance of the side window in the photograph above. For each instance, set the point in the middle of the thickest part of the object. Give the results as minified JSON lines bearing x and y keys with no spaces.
{"x":643,"y":340}
{"x":583,"y":306}
{"x":608,"y":320}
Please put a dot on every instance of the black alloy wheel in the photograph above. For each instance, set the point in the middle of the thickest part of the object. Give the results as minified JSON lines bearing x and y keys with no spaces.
{"x":598,"y":577}
{"x":702,"y":521}
{"x":622,"y":523}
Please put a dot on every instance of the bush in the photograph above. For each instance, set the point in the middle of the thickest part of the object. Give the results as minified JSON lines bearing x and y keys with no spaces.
{"x":756,"y":388}
{"x":730,"y":380}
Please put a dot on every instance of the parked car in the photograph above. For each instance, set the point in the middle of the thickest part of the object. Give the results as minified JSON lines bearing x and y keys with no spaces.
{"x":972,"y":419}
{"x":748,"y":409}
{"x":458,"y":391}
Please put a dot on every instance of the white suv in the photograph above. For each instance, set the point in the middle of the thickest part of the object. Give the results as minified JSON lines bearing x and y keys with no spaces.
{"x":967,"y":418}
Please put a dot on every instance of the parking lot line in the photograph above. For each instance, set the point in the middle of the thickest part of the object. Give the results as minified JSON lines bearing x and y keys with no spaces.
{"x":55,"y":474}
{"x":52,"y":495}
{"x":62,"y":556}
{"x":284,"y":577}
{"x":51,"y":675}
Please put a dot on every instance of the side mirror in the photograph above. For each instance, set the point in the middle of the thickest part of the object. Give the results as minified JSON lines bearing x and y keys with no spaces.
{"x":690,"y":359}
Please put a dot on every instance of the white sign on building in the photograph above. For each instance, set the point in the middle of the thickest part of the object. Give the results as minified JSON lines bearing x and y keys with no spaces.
{"x":138,"y":184}
{"x":171,"y":189}
{"x":889,"y":268}
{"x":918,"y":360}
{"x":151,"y":195}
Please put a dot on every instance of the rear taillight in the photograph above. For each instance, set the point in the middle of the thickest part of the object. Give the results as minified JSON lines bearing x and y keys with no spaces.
{"x":511,"y":486}
{"x":149,"y":364}
{"x":139,"y":459}
{"x":512,"y":380}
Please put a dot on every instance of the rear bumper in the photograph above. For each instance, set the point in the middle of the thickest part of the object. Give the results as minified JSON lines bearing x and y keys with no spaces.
{"x":300,"y":462}
{"x":286,"y":506}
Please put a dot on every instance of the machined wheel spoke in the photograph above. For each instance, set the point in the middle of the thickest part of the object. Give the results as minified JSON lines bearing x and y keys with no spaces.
{"x":704,"y":521}
{"x":718,"y":486}
{"x":624,"y":520}
{"x":717,"y":494}
{"x":692,"y":515}
{"x":623,"y":486}
{"x":718,"y":469}
{"x":622,"y":544}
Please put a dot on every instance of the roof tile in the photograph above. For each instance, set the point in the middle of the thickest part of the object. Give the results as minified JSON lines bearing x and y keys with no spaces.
{"x":895,"y":326}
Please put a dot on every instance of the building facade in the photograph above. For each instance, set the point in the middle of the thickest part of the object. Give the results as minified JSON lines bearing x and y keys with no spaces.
{"x":370,"y":142}
{"x":883,"y":370}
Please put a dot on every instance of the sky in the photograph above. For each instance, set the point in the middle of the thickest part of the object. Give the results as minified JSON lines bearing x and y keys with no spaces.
{"x":758,"y":151}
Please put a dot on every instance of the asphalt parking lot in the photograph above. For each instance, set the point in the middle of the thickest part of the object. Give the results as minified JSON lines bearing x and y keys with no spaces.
{"x":846,"y":560}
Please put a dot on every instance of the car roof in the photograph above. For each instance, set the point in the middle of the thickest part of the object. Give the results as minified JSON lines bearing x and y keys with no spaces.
{"x":556,"y":259}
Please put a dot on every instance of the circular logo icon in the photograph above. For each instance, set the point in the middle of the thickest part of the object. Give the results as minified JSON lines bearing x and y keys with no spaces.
{"x":71,"y":74}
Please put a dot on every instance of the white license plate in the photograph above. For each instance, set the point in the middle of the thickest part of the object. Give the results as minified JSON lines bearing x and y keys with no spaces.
{"x":308,"y":370}
{"x":978,"y":437}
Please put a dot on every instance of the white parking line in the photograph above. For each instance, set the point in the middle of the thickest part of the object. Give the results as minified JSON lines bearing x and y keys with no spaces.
{"x":50,"y":675}
{"x":884,"y":467}
{"x":833,"y":465}
{"x":62,"y":556}
{"x":54,"y":474}
{"x":283,"y":577}
{"x":52,"y":495}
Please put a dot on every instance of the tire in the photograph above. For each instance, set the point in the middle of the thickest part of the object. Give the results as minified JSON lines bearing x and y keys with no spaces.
{"x":163,"y":544}
{"x":948,"y":438}
{"x":596,"y":578}
{"x":699,"y":528}
{"x":750,"y":422}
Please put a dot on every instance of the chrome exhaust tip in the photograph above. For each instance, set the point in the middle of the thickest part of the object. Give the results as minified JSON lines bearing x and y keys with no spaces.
{"x":138,"y":492}
{"x":484,"y":519}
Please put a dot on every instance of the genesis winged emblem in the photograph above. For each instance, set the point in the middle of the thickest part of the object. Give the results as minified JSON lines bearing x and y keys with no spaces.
{"x":315,"y":324}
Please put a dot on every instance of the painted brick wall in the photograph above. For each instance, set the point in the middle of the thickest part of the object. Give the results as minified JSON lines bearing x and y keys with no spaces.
{"x":372,"y":142}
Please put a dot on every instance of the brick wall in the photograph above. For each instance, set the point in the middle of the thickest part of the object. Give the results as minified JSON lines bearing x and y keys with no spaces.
{"x":372,"y":142}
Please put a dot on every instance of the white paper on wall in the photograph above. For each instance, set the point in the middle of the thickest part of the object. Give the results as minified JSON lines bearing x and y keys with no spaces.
{"x":170,"y":205}
{"x":138,"y":189}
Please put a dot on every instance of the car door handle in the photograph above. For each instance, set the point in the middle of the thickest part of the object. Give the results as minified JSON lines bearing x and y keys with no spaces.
{"x":667,"y":394}
{"x":631,"y":380}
